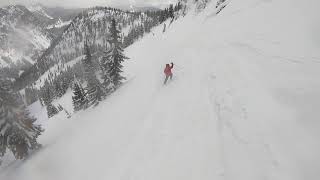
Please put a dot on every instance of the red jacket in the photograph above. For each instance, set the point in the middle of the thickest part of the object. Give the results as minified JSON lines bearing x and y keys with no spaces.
{"x":167,"y":70}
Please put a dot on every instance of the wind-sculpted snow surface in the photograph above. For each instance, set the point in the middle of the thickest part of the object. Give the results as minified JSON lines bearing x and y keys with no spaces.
{"x":243,"y":104}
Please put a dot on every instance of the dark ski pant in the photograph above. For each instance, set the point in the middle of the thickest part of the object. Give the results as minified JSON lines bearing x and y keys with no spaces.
{"x":167,"y":77}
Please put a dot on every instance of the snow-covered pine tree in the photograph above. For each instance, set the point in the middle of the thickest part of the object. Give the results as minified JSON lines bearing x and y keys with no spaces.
{"x":67,"y":113}
{"x":95,"y":94}
{"x":111,"y":62}
{"x":94,"y":91}
{"x":58,"y":89}
{"x":89,"y":71}
{"x":51,"y":110}
{"x":171,"y":11}
{"x":60,"y":108}
{"x":79,"y":98}
{"x":47,"y":93}
{"x":18,"y":133}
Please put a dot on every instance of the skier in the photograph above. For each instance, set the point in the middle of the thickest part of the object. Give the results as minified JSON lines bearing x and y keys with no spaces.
{"x":168,"y":72}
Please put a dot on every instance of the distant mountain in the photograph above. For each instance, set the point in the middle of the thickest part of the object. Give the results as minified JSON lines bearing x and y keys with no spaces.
{"x":139,"y":8}
{"x":64,"y":14}
{"x":60,"y":17}
{"x":25,"y":32}
{"x":38,"y":9}
{"x":23,"y":35}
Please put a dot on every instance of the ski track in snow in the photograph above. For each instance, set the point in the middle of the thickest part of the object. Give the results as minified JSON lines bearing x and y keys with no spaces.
{"x":225,"y":114}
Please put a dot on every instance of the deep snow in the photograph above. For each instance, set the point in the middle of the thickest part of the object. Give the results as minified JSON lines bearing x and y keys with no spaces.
{"x":243,"y":104}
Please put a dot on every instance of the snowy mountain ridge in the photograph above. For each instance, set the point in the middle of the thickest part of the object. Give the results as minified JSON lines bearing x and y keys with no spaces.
{"x":60,"y":23}
{"x":39,"y":9}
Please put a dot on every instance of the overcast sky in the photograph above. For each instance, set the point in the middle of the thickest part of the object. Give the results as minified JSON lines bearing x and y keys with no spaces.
{"x":88,"y":3}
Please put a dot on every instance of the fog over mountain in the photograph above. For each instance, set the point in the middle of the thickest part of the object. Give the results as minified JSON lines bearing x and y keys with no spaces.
{"x":76,"y":3}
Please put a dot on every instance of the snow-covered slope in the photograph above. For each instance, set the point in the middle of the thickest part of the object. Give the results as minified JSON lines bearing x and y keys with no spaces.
{"x":39,"y":9}
{"x":242,"y":104}
{"x":60,"y":23}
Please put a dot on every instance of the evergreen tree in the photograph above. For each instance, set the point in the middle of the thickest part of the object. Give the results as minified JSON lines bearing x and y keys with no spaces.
{"x":170,"y":11}
{"x":67,"y":113}
{"x":51,"y":110}
{"x":95,"y":94}
{"x":111,"y":62}
{"x":162,"y":17}
{"x":89,"y":71}
{"x":79,"y":98}
{"x":94,"y":91}
{"x":164,"y":27}
{"x":58,"y":89}
{"x":47,"y":93}
{"x":18,"y":133}
{"x":60,"y":108}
